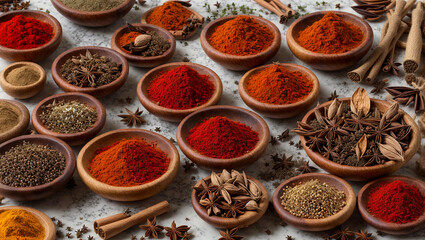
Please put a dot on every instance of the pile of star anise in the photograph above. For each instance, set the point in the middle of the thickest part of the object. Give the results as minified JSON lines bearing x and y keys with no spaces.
{"x":228,"y":194}
{"x":357,"y":134}
{"x":7,"y":5}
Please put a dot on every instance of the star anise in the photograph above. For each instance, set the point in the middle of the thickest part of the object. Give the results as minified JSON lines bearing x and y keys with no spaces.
{"x":273,"y":140}
{"x":132,"y":118}
{"x":314,"y":142}
{"x":229,"y":235}
{"x":299,"y":145}
{"x":374,"y":156}
{"x":133,"y":237}
{"x":217,"y":4}
{"x":407,"y":95}
{"x":343,"y":234}
{"x":378,"y":86}
{"x":285,"y":163}
{"x":333,"y":96}
{"x":275,"y":157}
{"x":363,"y":235}
{"x":211,"y":203}
{"x":234,"y":209}
{"x":204,"y":189}
{"x":391,"y":66}
{"x":188,"y":165}
{"x":87,"y":75}
{"x":151,"y":228}
{"x":289,"y":237}
{"x":306,"y":168}
{"x":284,"y":135}
{"x":174,"y":232}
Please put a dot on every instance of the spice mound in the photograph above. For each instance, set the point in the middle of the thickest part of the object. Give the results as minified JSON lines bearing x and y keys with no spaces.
{"x":331,"y":35}
{"x":171,"y":16}
{"x":313,"y":199}
{"x":29,"y":165}
{"x":220,"y":137}
{"x":92,"y":5}
{"x":68,"y":116}
{"x":9,"y":118}
{"x":129,"y":162}
{"x":25,"y":33}
{"x":143,"y":43}
{"x":278,"y":85}
{"x":396,"y":202}
{"x":22,"y":76}
{"x":181,"y":88}
{"x":18,"y":224}
{"x":241,"y":36}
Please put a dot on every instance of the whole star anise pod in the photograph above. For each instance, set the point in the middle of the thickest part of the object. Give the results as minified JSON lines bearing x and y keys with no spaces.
{"x":363,"y":235}
{"x":343,"y":234}
{"x":132,"y":118}
{"x":285,"y":163}
{"x":306,"y":168}
{"x":151,"y":228}
{"x":229,"y":235}
{"x":174,"y":232}
{"x":284,"y":135}
{"x":379,"y":85}
{"x":333,"y":96}
{"x":391,"y":66}
{"x":234,"y":209}
{"x":407,"y":95}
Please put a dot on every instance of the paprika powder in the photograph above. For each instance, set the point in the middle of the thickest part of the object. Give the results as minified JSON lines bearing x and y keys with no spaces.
{"x":171,"y":16}
{"x":127,"y":38}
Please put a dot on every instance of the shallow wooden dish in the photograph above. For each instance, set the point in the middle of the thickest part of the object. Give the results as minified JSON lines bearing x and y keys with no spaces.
{"x":242,"y":221}
{"x":234,"y":62}
{"x":98,"y":91}
{"x":46,"y":222}
{"x":34,"y":54}
{"x":94,"y":19}
{"x":176,"y":115}
{"x":364,"y":173}
{"x":127,"y":194}
{"x":329,"y":62}
{"x":21,"y":127}
{"x":387,"y":227}
{"x":22,"y":92}
{"x":316,"y":224}
{"x":140,"y":61}
{"x":48,"y":189}
{"x":241,"y":115}
{"x":275,"y":110}
{"x":72,"y":139}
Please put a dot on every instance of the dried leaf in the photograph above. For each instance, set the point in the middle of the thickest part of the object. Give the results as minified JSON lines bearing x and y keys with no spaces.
{"x":391,"y":149}
{"x":360,"y":102}
{"x":361,"y":147}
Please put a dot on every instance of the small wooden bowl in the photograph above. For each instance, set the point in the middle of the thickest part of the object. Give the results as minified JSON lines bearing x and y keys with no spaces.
{"x":178,"y":34}
{"x":21,"y":127}
{"x":329,"y":62}
{"x":234,"y":62}
{"x":369,"y":172}
{"x":387,"y":227}
{"x":97,"y":91}
{"x":72,"y":139}
{"x":34,"y":54}
{"x":45,"y":190}
{"x":176,"y":115}
{"x":316,"y":224}
{"x":140,"y":61}
{"x":127,"y":194}
{"x":275,"y":110}
{"x":22,"y":92}
{"x":233,"y":113}
{"x":94,"y":19}
{"x":46,"y":222}
{"x":242,"y":221}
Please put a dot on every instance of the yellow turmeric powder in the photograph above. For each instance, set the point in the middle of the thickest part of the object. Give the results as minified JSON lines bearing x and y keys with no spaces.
{"x":18,"y":224}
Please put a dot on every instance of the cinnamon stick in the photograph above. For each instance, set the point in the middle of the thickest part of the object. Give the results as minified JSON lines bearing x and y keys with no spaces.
{"x":107,"y":220}
{"x":291,"y":12}
{"x":270,"y":7}
{"x":412,"y":57}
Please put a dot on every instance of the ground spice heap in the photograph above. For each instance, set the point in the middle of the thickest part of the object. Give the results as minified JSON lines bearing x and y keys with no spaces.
{"x":25,"y":33}
{"x":220,"y":137}
{"x":129,"y":162}
{"x":143,"y":43}
{"x":396,"y":202}
{"x":241,"y":36}
{"x":312,"y":199}
{"x":331,"y":35}
{"x":28,"y":165}
{"x":9,"y":118}
{"x":181,"y":88}
{"x":92,"y":5}
{"x":68,"y":116}
{"x":18,"y":224}
{"x":171,"y":16}
{"x":278,"y":85}
{"x":22,"y":76}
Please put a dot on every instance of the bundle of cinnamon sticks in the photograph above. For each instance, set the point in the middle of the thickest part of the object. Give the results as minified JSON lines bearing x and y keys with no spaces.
{"x":276,"y":6}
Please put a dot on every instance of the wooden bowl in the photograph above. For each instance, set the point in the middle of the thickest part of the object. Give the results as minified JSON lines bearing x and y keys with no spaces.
{"x":45,"y":190}
{"x":369,"y":172}
{"x":329,"y":62}
{"x":23,"y":92}
{"x":176,"y":33}
{"x":34,"y":54}
{"x":94,"y":19}
{"x":234,"y":62}
{"x":72,"y":139}
{"x":176,"y":115}
{"x":275,"y":110}
{"x":100,"y":91}
{"x":22,"y":125}
{"x":140,"y":61}
{"x":46,"y":222}
{"x":316,"y":224}
{"x":233,"y":113}
{"x":242,"y":221}
{"x":387,"y":227}
{"x":127,"y":193}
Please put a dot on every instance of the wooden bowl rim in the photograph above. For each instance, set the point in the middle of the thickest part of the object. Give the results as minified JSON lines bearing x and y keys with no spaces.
{"x":23,"y":122}
{"x":32,"y":65}
{"x":80,"y":12}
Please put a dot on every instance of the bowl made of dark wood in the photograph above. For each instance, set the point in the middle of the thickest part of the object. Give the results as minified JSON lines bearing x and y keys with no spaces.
{"x":22,"y":125}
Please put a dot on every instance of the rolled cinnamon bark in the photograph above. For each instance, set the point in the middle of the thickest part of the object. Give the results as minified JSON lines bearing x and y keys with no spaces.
{"x":412,"y":57}
{"x":107,"y":220}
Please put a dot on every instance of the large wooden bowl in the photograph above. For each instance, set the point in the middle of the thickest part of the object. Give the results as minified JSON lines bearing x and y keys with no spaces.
{"x":94,"y":19}
{"x":275,"y":110}
{"x":234,"y":62}
{"x":72,"y":139}
{"x":316,"y":224}
{"x":100,"y":91}
{"x":368,"y":172}
{"x":241,"y":115}
{"x":390,"y":228}
{"x":22,"y":125}
{"x":127,"y":194}
{"x":34,"y":54}
{"x":329,"y":62}
{"x":45,"y":190}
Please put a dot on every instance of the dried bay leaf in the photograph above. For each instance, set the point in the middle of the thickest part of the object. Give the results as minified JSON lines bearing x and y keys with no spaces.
{"x":361,"y":147}
{"x":391,"y":149}
{"x":360,"y":102}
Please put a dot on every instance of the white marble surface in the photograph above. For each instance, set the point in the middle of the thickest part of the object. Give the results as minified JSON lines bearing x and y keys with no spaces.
{"x":81,"y":206}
